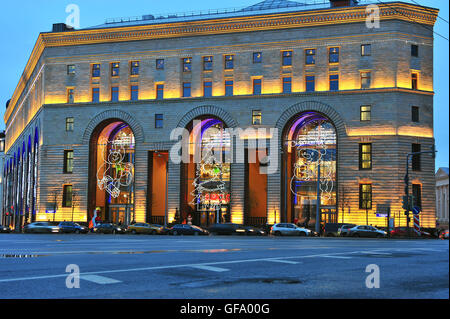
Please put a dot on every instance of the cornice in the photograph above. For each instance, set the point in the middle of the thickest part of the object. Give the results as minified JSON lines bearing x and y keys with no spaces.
{"x":331,"y":16}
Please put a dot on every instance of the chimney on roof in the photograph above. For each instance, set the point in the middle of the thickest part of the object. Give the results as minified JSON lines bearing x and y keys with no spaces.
{"x":61,"y":27}
{"x":343,"y":3}
{"x":7,"y":103}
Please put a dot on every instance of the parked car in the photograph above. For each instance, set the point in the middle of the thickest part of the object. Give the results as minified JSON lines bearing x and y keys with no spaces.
{"x":5,"y":229}
{"x":144,"y":228}
{"x":226,"y":229}
{"x":332,"y":229}
{"x":42,"y":227}
{"x":403,"y":232}
{"x":366,"y":231}
{"x":343,"y":230}
{"x":109,"y":228}
{"x":71,"y":227}
{"x":287,"y":229}
{"x":444,"y":234}
{"x":185,"y":229}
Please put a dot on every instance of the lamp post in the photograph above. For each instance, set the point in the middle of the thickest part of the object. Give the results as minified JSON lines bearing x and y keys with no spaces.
{"x":318,"y":199}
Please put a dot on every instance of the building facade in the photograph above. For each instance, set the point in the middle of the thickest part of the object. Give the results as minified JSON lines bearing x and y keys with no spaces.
{"x":442,"y":192}
{"x":89,"y":125}
{"x":2,"y":163}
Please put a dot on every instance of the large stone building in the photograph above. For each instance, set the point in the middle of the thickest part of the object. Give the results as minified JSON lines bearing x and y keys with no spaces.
{"x":346,"y":85}
{"x":442,"y":196}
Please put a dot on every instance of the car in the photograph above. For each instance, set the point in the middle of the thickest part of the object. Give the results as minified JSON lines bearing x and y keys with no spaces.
{"x":252,"y":231}
{"x":226,"y":229}
{"x":71,"y":227}
{"x":332,"y":229}
{"x":109,"y":228}
{"x":144,"y":228}
{"x":5,"y":229}
{"x":444,"y":234}
{"x":288,"y":229}
{"x":343,"y":230}
{"x":186,"y":229}
{"x":42,"y":227}
{"x":403,"y":232}
{"x":366,"y":231}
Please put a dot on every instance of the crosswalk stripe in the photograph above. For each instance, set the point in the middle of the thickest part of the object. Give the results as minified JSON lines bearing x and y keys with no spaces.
{"x":210,"y":268}
{"x":283,"y":261}
{"x":99,"y":279}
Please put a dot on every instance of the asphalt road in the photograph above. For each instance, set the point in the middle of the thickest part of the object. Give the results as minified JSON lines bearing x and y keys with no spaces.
{"x":221,"y":267}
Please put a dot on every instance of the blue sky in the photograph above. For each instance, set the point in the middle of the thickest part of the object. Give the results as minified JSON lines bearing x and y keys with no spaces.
{"x":22,"y":21}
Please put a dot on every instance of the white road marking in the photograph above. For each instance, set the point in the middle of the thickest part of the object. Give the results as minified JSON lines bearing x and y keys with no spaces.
{"x":338,"y":257}
{"x":375,"y":253}
{"x":210,"y":268}
{"x":283,"y":261}
{"x":99,"y":279}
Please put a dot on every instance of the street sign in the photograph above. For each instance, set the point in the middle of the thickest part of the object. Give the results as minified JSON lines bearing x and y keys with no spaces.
{"x":382,"y":215}
{"x":416,"y":210}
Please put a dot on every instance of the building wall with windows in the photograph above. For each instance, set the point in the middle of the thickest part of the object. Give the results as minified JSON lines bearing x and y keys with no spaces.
{"x":65,"y":100}
{"x":442,"y":193}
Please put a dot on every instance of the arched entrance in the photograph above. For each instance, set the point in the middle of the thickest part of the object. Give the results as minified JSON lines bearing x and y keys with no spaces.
{"x":111,"y":172}
{"x":205,"y":180}
{"x":309,"y":169}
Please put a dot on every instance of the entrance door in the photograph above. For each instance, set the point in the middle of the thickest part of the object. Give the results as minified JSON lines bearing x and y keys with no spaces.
{"x":120,"y":213}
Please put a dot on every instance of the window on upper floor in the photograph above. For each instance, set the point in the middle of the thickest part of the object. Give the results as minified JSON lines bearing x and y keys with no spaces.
{"x":69,"y":124}
{"x":256,"y":117}
{"x":71,"y":69}
{"x":207,"y":63}
{"x":286,"y":58}
{"x":414,"y":80}
{"x":414,"y":50}
{"x":67,"y":196}
{"x":134,"y":94}
{"x":415,"y":114}
{"x":365,"y":113}
{"x":365,"y":80}
{"x":287,"y":84}
{"x":310,"y":56}
{"x":134,"y":68}
{"x":95,"y":95}
{"x":96,"y":70}
{"x":207,"y":89}
{"x":333,"y":55}
{"x":115,"y":94}
{"x":365,"y":156}
{"x":229,"y":88}
{"x":70,"y":95}
{"x":257,"y":84}
{"x":257,"y":57}
{"x":160,"y":91}
{"x":160,"y":64}
{"x":365,"y":196}
{"x":68,"y":162}
{"x":115,"y":69}
{"x":334,"y":82}
{"x":417,"y":195}
{"x":187,"y":64}
{"x":310,"y":83}
{"x":366,"y":50}
{"x":159,"y":120}
{"x":187,"y":89}
{"x":229,"y":62}
{"x":416,"y":162}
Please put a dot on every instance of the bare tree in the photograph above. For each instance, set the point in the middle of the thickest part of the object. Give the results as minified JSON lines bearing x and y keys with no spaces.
{"x":344,"y":200}
{"x":54,"y":195}
{"x":75,"y":200}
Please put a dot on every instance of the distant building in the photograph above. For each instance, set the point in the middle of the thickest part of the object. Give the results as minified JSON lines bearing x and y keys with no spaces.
{"x":442,"y":196}
{"x":2,"y":161}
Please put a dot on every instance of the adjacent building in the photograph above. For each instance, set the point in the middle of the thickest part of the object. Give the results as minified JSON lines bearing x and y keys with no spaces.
{"x":2,"y":164}
{"x":89,"y":124}
{"x":442,"y":193}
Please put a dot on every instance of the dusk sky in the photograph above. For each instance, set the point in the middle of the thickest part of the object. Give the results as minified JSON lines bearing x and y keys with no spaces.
{"x":22,"y":21}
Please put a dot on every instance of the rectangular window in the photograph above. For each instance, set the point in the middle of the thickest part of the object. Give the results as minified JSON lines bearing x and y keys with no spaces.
{"x":310,"y":83}
{"x":70,"y":95}
{"x":414,"y":79}
{"x":415,"y":114}
{"x":134,"y":68}
{"x":187,"y":89}
{"x":366,"y":50}
{"x":365,"y":80}
{"x":160,"y":64}
{"x":334,"y":82}
{"x":414,"y":50}
{"x":207,"y":63}
{"x":257,"y":57}
{"x":95,"y":95}
{"x":228,"y":88}
{"x":115,"y":69}
{"x":68,"y":161}
{"x":417,"y":194}
{"x":69,"y":124}
{"x":207,"y":89}
{"x":333,"y":55}
{"x":159,"y":120}
{"x":256,"y":117}
{"x":67,"y":196}
{"x":365,"y":156}
{"x":71,"y":69}
{"x":365,"y":113}
{"x":134,"y":93}
{"x":115,"y":94}
{"x":287,"y":85}
{"x":365,"y":196}
{"x":160,"y":91}
{"x":416,"y":159}
{"x":257,"y":83}
{"x":187,"y":64}
{"x":96,"y":70}
{"x":229,"y":62}
{"x":310,"y":56}
{"x":286,"y":57}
